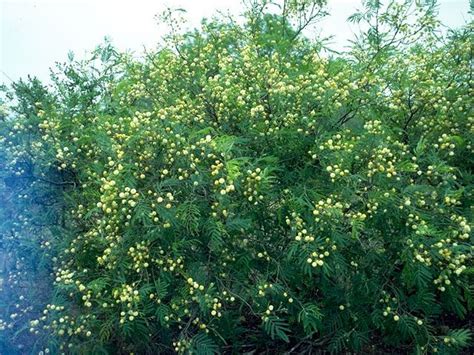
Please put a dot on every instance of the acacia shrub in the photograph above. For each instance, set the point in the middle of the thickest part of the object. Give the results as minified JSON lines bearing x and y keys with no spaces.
{"x":239,"y":191}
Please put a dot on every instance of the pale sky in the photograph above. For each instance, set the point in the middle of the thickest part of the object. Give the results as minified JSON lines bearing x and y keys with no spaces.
{"x":34,"y":34}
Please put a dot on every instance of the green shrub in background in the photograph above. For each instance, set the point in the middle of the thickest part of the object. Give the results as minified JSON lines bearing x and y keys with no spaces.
{"x":237,"y":191}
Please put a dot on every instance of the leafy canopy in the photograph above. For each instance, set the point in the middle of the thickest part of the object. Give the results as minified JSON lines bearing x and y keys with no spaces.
{"x":238,"y":190}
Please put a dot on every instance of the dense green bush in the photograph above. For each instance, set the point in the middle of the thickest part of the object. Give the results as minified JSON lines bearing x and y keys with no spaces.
{"x":239,"y":191}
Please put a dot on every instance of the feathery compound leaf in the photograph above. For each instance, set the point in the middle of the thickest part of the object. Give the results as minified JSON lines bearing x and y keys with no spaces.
{"x":310,"y":316}
{"x":276,"y":328}
{"x":202,"y":344}
{"x":190,"y":215}
{"x":460,"y":337}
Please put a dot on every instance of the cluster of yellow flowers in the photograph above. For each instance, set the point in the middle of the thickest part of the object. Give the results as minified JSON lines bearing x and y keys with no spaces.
{"x":383,"y":161}
{"x":253,"y":182}
{"x":140,"y":255}
{"x":298,"y":227}
{"x":327,"y":208}
{"x":181,"y":346}
{"x":335,"y":171}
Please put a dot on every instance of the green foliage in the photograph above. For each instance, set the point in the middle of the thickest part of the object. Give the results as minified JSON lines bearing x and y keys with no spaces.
{"x":242,"y":190}
{"x":310,"y":316}
{"x":276,"y":328}
{"x":202,"y":344}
